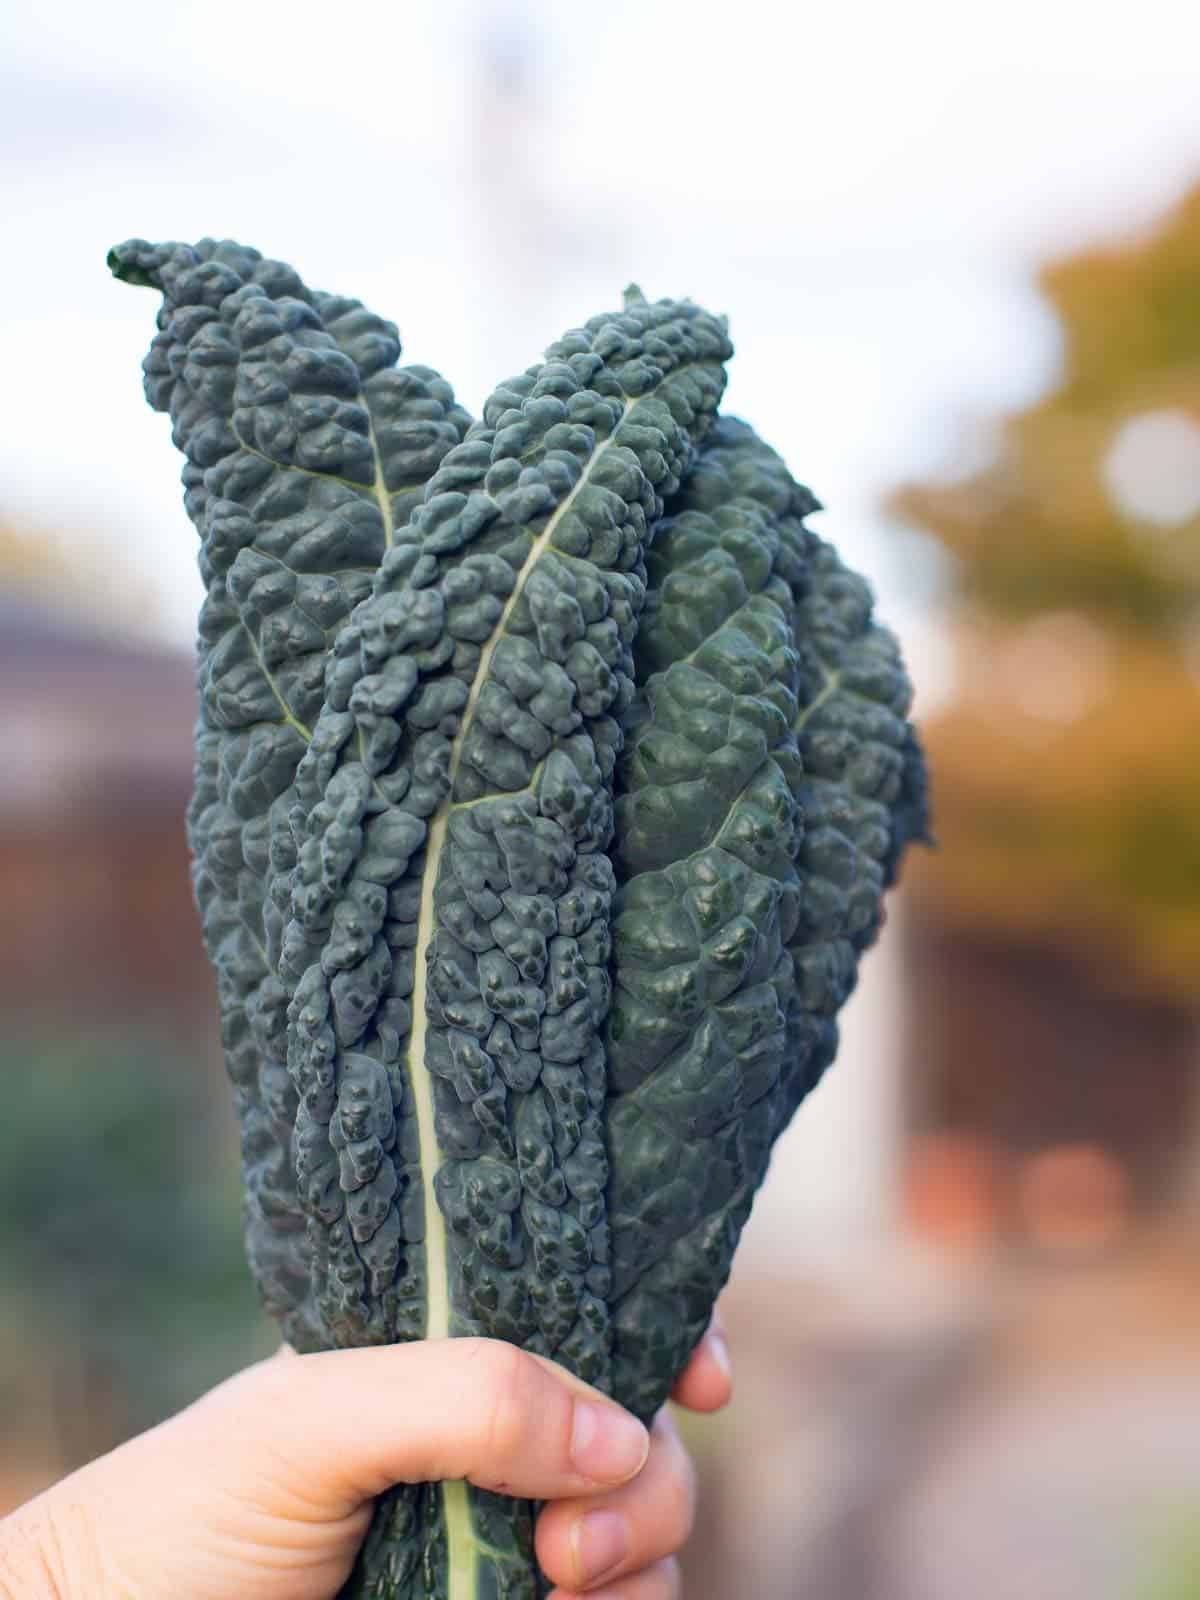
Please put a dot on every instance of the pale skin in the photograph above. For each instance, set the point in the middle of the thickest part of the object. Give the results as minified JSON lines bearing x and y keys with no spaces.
{"x":262,"y":1489}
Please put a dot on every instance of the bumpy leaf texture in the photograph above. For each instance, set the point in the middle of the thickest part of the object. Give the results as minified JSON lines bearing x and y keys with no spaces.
{"x":549,"y":776}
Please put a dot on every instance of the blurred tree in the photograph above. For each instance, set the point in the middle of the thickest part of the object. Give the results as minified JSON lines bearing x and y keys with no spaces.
{"x":1067,"y":766}
{"x":122,"y":1282}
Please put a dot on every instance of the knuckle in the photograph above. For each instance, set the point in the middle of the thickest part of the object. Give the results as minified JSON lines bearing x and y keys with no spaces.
{"x":273,"y":1389}
{"x":33,"y":1553}
{"x":508,"y":1378}
{"x":63,"y":1548}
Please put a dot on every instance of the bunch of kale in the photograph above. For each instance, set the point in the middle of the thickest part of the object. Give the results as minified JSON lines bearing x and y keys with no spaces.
{"x":549,"y":776}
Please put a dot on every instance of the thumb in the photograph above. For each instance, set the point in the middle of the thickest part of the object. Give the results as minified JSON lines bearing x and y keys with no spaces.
{"x":345,"y":1425}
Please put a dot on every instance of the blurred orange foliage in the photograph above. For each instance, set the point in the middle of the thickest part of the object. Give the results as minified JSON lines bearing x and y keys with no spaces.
{"x":1067,"y":765}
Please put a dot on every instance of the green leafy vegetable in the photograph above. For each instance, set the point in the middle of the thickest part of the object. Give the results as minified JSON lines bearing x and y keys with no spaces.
{"x":549,"y":775}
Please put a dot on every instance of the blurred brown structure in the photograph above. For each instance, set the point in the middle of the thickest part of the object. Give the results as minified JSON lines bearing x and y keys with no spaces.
{"x":1016,"y":1048}
{"x":107,"y":1008}
{"x":1055,"y":936}
{"x":98,"y":919}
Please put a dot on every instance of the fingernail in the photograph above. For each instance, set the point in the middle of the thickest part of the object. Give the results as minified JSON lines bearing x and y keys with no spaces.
{"x":599,"y":1543}
{"x":607,"y":1444}
{"x":720,"y":1353}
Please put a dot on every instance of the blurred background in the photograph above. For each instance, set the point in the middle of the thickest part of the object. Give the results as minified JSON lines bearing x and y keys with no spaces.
{"x":960,"y":252}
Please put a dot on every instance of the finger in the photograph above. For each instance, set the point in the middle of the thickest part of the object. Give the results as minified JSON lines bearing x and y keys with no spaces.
{"x":585,"y":1544}
{"x":706,"y":1383}
{"x":351,"y":1423}
{"x":659,"y":1582}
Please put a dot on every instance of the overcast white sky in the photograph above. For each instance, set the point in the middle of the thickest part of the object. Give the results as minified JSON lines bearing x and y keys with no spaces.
{"x":864,"y":189}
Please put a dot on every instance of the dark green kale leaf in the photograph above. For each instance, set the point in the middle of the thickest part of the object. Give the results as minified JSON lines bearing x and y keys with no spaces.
{"x":449,"y":943}
{"x":305,"y":447}
{"x":769,"y":784}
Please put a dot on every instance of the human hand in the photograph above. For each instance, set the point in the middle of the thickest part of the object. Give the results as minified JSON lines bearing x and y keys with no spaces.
{"x":262,"y":1489}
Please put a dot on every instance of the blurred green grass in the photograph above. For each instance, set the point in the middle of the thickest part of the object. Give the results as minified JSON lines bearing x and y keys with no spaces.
{"x":123,"y":1286}
{"x":1175,"y":1565}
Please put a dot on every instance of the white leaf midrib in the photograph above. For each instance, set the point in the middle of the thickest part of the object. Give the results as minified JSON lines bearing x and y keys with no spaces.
{"x":462,"y":1547}
{"x":437,"y":1316}
{"x":462,"y":1543}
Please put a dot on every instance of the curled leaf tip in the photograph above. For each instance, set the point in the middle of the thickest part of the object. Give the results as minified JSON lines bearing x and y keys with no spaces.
{"x":131,"y":264}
